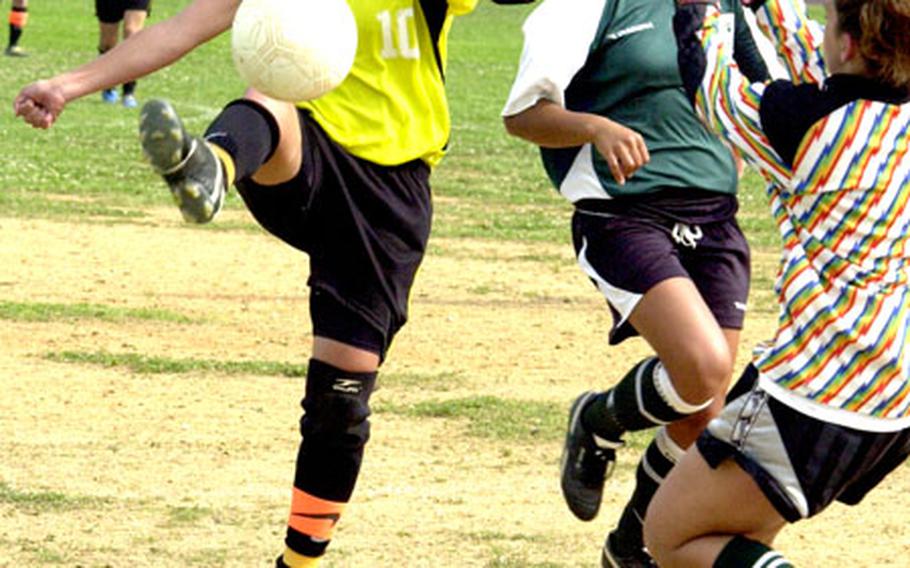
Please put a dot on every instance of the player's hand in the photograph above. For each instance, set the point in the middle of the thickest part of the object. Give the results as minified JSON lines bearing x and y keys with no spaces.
{"x":622,"y":148}
{"x":39,"y":104}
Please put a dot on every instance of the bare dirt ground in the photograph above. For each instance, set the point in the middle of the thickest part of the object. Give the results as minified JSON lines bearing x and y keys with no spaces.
{"x":105,"y":467}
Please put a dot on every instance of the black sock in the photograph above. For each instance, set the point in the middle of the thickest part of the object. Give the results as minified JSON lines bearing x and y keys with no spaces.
{"x":15,"y":32}
{"x":644,"y":398}
{"x":335,"y":429}
{"x":129,"y":88}
{"x":656,"y":463}
{"x":248,"y":132}
{"x":742,"y":552}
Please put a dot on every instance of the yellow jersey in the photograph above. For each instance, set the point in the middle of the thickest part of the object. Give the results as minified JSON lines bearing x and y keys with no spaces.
{"x":392,"y":108}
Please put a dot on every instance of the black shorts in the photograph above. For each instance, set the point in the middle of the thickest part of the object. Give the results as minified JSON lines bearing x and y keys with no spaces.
{"x":800,"y":463}
{"x":111,"y":11}
{"x":365,"y":228}
{"x":627,"y":251}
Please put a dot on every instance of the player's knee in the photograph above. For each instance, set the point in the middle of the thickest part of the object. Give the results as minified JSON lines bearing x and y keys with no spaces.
{"x":705,"y":371}
{"x":687,"y":430}
{"x":657,"y":546}
{"x":336,"y":407}
{"x":657,"y":533}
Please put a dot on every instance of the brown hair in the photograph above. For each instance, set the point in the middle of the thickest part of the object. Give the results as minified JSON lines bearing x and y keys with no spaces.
{"x":882,"y":28}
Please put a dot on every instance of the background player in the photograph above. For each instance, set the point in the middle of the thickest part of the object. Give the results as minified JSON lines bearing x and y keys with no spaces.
{"x":344,"y":178}
{"x":110,"y":14}
{"x":654,"y":194}
{"x":18,"y":17}
{"x":824,"y":412}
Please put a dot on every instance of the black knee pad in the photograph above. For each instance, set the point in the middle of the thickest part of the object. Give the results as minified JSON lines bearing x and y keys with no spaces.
{"x":336,"y":407}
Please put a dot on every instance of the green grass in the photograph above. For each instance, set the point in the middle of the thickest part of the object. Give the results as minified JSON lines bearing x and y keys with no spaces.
{"x":150,"y":365}
{"x":436,"y":382}
{"x":45,"y":312}
{"x":143,"y":364}
{"x":503,"y":559}
{"x":182,"y":516}
{"x":35,"y":502}
{"x":41,"y":553}
{"x":502,"y":419}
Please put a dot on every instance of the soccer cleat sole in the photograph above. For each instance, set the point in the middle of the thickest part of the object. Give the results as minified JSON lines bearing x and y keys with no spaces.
{"x":162,"y":136}
{"x":174,"y":155}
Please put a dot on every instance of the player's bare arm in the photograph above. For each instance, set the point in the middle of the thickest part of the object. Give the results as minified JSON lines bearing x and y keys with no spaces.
{"x":155,"y":47}
{"x":550,"y":125}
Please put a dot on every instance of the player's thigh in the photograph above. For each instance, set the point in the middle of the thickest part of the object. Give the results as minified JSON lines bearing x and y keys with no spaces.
{"x":697,"y":500}
{"x":285,"y":162}
{"x":677,"y":323}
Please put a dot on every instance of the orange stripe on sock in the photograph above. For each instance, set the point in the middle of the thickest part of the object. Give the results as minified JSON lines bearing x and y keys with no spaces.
{"x":313,"y":516}
{"x":18,"y":19}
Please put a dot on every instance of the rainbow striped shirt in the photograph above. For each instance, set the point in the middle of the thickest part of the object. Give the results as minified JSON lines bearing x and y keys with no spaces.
{"x":839,"y":191}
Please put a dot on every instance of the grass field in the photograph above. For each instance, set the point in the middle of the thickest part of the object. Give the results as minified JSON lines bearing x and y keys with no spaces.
{"x":151,"y":371}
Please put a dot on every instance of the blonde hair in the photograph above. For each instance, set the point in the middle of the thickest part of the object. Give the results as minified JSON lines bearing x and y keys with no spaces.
{"x":882,"y":29}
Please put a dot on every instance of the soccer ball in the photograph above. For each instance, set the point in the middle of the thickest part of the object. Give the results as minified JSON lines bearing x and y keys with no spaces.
{"x":294,"y":50}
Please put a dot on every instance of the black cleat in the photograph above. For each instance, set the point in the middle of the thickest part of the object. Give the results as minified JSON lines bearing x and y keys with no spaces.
{"x":188,"y":165}
{"x":613,"y":558}
{"x":587,"y":462}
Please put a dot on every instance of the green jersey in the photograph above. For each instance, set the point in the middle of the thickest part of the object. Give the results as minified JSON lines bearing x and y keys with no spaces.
{"x":618,"y":59}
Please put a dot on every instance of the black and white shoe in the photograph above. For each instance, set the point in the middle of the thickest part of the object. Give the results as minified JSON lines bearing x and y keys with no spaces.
{"x":587,"y":462}
{"x":613,"y":558}
{"x":188,"y":165}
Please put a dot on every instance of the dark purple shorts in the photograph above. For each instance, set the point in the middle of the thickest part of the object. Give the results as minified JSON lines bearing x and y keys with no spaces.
{"x":625,"y":255}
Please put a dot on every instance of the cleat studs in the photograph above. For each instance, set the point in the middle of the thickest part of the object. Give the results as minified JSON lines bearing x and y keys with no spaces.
{"x":193,"y":190}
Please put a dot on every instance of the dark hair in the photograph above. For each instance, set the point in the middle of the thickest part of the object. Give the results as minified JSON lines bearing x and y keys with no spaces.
{"x":882,"y":29}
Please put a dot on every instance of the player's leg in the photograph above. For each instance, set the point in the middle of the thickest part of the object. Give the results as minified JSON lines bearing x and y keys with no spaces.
{"x":665,"y":450}
{"x":365,"y":227}
{"x":133,"y":21}
{"x":719,"y":267}
{"x":18,"y":18}
{"x":760,"y":464}
{"x":107,"y":36}
{"x":254,"y":137}
{"x":684,"y":385}
{"x":109,"y":15}
{"x":634,"y":263}
{"x":695,"y":345}
{"x":334,"y":428}
{"x":698,"y":511}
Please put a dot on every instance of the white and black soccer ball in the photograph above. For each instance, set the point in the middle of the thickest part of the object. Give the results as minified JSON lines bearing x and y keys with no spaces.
{"x":294,"y":50}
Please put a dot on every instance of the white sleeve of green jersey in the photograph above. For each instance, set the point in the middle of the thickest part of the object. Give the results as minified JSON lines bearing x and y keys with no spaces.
{"x":557,"y":39}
